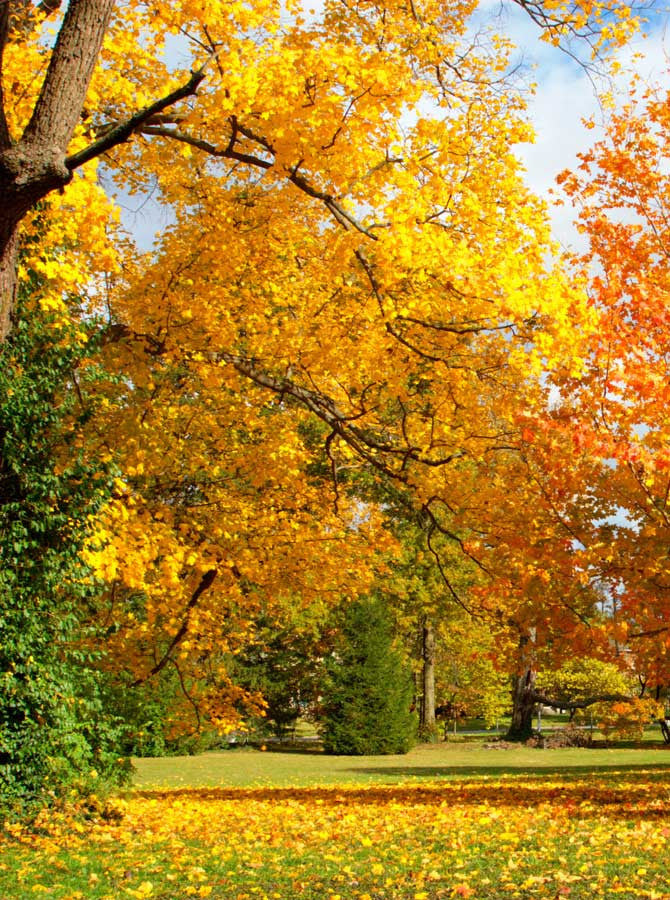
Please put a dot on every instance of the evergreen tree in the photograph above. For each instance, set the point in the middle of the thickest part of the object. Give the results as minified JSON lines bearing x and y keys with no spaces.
{"x":368,"y":693}
{"x":284,"y":665}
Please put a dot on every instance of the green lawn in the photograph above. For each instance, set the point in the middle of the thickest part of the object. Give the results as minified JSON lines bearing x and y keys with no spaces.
{"x":246,"y":767}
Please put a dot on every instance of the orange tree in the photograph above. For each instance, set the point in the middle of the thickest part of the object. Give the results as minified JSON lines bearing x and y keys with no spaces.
{"x":617,"y":413}
{"x":399,"y":295}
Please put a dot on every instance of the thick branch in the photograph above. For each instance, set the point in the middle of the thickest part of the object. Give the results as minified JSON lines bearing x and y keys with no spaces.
{"x":653,"y":632}
{"x":566,"y":703}
{"x":205,"y":584}
{"x":343,"y":217}
{"x":123,"y":131}
{"x":325,"y":409}
{"x":73,"y":59}
{"x":18,"y":19}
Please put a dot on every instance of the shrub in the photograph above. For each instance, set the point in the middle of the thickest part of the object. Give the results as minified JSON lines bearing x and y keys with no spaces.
{"x":627,"y":720}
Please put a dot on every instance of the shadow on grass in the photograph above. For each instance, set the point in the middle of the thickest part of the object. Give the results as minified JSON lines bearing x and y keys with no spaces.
{"x":297,"y":749}
{"x":626,"y":792}
{"x":655,"y":772}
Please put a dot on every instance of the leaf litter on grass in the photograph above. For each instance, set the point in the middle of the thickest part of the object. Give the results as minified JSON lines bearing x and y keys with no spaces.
{"x":512,"y":837}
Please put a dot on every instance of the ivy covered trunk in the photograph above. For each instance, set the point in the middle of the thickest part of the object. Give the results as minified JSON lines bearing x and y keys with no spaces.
{"x":55,"y":735}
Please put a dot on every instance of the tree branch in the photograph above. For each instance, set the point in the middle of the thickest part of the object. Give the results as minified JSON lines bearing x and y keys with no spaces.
{"x":120,"y":133}
{"x":205,"y":584}
{"x":565,"y":703}
{"x":653,"y":632}
{"x":205,"y":146}
{"x":66,"y":82}
{"x":343,"y":217}
{"x":368,"y":443}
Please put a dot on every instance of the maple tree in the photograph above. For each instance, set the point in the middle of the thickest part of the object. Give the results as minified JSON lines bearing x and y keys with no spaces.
{"x":616,"y":413}
{"x":199,"y":547}
{"x":309,"y":310}
{"x":104,"y":81}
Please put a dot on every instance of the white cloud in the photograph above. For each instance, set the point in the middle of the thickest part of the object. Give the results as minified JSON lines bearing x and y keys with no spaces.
{"x":566,"y":94}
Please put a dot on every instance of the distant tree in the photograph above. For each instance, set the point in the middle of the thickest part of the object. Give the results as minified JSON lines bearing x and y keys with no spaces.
{"x":581,"y":679}
{"x":468,"y":683}
{"x":368,"y":694}
{"x":627,"y":720}
{"x":284,"y":665}
{"x":425,"y":587}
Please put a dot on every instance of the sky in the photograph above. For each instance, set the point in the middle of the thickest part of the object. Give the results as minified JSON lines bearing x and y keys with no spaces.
{"x":566,"y":95}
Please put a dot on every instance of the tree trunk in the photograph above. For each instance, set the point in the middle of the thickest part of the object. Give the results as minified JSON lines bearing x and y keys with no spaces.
{"x":428,"y":679}
{"x":8,"y":260}
{"x":523,"y":706}
{"x":36,"y":164}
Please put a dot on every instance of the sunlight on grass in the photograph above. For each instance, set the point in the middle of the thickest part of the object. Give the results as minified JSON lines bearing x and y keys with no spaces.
{"x":244,"y":767}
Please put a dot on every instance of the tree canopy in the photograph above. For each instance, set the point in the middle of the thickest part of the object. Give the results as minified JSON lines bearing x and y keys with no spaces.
{"x":357,"y":303}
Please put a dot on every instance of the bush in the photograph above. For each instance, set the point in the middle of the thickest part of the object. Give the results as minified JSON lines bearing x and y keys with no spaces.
{"x":368,"y":693}
{"x":627,"y":720}
{"x":54,"y":734}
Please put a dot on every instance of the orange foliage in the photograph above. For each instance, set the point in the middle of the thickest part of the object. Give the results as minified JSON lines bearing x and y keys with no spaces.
{"x":354,"y":277}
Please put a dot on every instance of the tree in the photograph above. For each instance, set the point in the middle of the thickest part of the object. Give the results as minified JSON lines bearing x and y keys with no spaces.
{"x":368,"y":696}
{"x":285,"y":665}
{"x":426,"y":586}
{"x":402,"y":297}
{"x":55,"y":733}
{"x":218,"y":526}
{"x":618,"y":411}
{"x":86,"y":103}
{"x":627,"y":720}
{"x":469,"y":678}
{"x":230,"y":354}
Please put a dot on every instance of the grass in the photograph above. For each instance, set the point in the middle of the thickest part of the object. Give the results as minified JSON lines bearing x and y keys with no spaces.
{"x":445,"y":821}
{"x":244,"y":767}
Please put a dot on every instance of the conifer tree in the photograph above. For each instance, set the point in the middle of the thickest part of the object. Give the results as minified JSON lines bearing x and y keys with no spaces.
{"x":367,"y":702}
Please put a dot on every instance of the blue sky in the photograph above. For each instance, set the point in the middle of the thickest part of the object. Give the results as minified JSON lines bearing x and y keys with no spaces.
{"x":566,"y":94}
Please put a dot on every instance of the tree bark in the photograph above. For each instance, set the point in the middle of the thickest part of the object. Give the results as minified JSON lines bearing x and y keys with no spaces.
{"x":523,"y":706}
{"x":524,"y":698}
{"x":35,"y":165}
{"x":428,"y":680}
